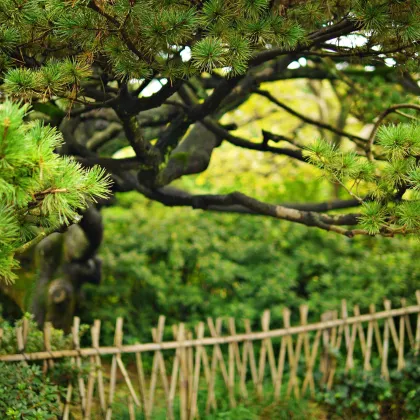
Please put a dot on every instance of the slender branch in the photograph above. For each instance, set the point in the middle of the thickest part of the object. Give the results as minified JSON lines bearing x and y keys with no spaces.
{"x":263,"y":147}
{"x":375,"y":129}
{"x":358,"y":140}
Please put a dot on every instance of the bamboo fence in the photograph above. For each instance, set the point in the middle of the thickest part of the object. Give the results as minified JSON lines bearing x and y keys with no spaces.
{"x":293,"y":360}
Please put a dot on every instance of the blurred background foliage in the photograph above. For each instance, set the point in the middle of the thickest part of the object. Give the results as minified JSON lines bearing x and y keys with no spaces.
{"x":189,"y":264}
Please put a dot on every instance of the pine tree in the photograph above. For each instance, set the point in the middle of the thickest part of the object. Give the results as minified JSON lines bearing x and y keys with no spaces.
{"x":81,"y":62}
{"x":40,"y":190}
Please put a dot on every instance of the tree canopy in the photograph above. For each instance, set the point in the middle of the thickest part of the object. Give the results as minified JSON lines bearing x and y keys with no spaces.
{"x":161,"y":75}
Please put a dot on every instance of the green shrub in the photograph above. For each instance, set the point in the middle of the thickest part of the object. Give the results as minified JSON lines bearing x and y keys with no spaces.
{"x":35,"y":338}
{"x":25,"y":393}
{"x":358,"y":394}
{"x":188,"y":265}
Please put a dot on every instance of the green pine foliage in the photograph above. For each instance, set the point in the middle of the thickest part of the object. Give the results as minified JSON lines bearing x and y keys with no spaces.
{"x":388,"y":188}
{"x":137,"y":38}
{"x":40,"y":191}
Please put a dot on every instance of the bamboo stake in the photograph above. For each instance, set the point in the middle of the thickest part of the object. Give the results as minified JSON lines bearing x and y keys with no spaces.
{"x":407,"y":324}
{"x":25,"y":329}
{"x":309,"y":378}
{"x":280,"y":369}
{"x":90,"y":386}
{"x":401,"y":362}
{"x":66,"y":410}
{"x":344,"y":316}
{"x":385,"y":348}
{"x":294,"y":366}
{"x":190,"y":361}
{"x":218,"y":356}
{"x":158,"y":364}
{"x":242,"y":373}
{"x":206,"y":368}
{"x":127,"y":380}
{"x":95,"y":333}
{"x":197,"y":368}
{"x":117,"y":343}
{"x":360,"y":331}
{"x":269,"y":345}
{"x":366,"y":364}
{"x":131,"y":412}
{"x":378,"y":337}
{"x":325,"y":359}
{"x":303,"y":310}
{"x":20,"y":342}
{"x":48,"y":363}
{"x":231,"y":372}
{"x":349,"y":359}
{"x":252,"y":362}
{"x":394,"y":335}
{"x":288,"y":338}
{"x":239,"y":362}
{"x":177,"y":333}
{"x":336,"y":344}
{"x":183,"y":378}
{"x":417,"y":342}
{"x":210,"y":394}
{"x":81,"y":382}
{"x":142,"y":385}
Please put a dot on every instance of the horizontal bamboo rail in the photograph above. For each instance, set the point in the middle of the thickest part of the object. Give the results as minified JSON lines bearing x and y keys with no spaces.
{"x":197,"y":364}
{"x":210,"y":341}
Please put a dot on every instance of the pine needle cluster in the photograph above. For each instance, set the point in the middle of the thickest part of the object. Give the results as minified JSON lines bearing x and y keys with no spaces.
{"x":389,"y":189}
{"x":138,"y":38}
{"x":40,"y":191}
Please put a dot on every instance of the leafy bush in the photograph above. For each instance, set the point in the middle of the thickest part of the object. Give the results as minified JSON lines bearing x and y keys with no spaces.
{"x":25,"y":393}
{"x":367,"y":395}
{"x":189,"y":265}
{"x":35,"y":338}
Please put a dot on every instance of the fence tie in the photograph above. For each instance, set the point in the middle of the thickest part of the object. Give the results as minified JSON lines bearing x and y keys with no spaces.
{"x":51,"y":354}
{"x":25,"y":356}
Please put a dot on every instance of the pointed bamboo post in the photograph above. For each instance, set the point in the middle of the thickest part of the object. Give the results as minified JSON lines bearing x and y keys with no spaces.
{"x":401,"y":361}
{"x":344,"y":316}
{"x":237,"y":355}
{"x":378,"y":338}
{"x":337,"y":337}
{"x":81,"y":382}
{"x":95,"y":333}
{"x":366,"y":362}
{"x":417,"y":341}
{"x":360,"y":331}
{"x":408,"y":324}
{"x":309,"y":377}
{"x":142,"y":385}
{"x":266,"y":351}
{"x":206,"y":366}
{"x":350,"y":350}
{"x":177,"y":333}
{"x":391,"y":325}
{"x":385,"y":349}
{"x":215,"y":330}
{"x":113,"y":375}
{"x":190,"y":361}
{"x":183,"y":376}
{"x":293,"y":380}
{"x":49,"y":363}
{"x":325,"y":359}
{"x":158,"y":365}
{"x":131,"y":410}
{"x":197,"y":368}
{"x":250,"y":352}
